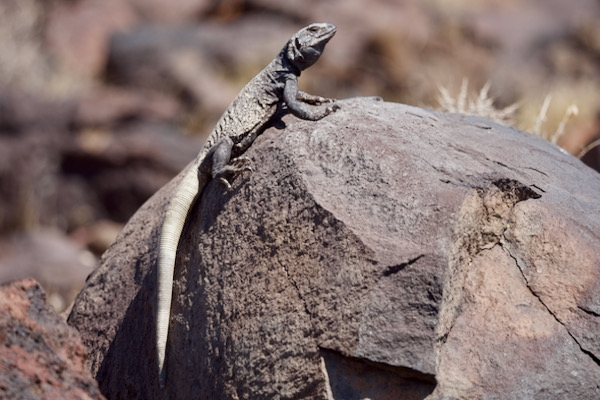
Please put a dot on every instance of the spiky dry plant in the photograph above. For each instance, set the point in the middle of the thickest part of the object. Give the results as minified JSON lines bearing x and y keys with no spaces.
{"x":587,"y":148}
{"x":571,"y":112}
{"x":481,"y":105}
{"x":542,"y":116}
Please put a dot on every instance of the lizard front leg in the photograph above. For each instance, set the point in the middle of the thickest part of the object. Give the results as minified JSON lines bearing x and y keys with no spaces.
{"x":293,"y":98}
{"x":312,"y":99}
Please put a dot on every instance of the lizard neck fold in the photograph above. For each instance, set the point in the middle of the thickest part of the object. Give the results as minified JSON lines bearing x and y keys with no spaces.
{"x":286,"y":63}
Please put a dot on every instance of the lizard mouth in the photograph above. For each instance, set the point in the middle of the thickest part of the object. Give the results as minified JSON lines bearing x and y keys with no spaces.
{"x":328,"y":32}
{"x":321,"y":32}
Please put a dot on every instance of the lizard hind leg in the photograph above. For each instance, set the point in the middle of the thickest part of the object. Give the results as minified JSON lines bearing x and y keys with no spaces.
{"x":223,"y":167}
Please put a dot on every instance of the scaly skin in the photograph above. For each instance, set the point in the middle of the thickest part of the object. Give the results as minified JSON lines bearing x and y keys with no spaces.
{"x":242,"y":122}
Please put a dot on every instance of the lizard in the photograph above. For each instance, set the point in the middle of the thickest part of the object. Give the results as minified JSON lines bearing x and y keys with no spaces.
{"x":272,"y":90}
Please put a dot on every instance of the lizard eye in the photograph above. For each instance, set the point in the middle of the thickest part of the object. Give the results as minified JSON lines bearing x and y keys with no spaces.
{"x":313,"y":29}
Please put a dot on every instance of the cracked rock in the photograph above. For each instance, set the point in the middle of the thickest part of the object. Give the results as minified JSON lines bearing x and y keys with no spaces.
{"x":384,"y":252}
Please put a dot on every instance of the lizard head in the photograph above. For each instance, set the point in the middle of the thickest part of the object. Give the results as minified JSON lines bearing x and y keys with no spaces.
{"x":307,"y":45}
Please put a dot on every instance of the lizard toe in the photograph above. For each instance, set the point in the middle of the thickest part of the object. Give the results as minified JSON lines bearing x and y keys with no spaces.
{"x":240,"y":161}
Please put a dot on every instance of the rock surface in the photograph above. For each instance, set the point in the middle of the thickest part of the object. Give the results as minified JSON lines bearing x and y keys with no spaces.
{"x":383,"y":252}
{"x":40,"y":356}
{"x":54,"y":261}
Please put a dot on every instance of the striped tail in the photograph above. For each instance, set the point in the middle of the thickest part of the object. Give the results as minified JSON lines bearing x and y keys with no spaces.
{"x":172,"y":227}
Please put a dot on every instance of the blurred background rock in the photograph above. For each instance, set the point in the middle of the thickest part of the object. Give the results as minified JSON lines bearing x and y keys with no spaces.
{"x":103,"y":101}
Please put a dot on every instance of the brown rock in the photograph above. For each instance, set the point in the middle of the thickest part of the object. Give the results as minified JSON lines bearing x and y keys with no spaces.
{"x":192,"y":62}
{"x":385,"y":251}
{"x":24,"y":62}
{"x":51,"y":258}
{"x":170,"y":59}
{"x":110,"y":105}
{"x":40,"y":356}
{"x":78,"y":33}
{"x":117,"y":170}
{"x":98,"y":236}
{"x":64,"y":164}
{"x":172,"y":11}
{"x":33,"y":132}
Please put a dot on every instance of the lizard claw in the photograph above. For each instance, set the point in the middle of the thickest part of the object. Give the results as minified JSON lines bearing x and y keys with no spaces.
{"x":224,"y":182}
{"x":332,"y":108}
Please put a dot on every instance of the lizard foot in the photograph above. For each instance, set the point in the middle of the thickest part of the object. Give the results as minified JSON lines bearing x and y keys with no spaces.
{"x":241,"y":164}
{"x":231,"y":170}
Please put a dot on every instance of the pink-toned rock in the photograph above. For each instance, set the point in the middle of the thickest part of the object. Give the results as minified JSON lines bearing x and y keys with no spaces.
{"x":33,"y":132}
{"x":172,"y":11}
{"x":51,"y":258}
{"x":383,"y":252}
{"x":78,"y":33}
{"x":41,"y":357}
{"x":117,"y":170}
{"x":111,"y":105}
{"x":65,"y":164}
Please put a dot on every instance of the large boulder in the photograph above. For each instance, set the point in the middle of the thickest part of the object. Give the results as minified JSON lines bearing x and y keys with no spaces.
{"x":41,"y":357}
{"x":385,"y":251}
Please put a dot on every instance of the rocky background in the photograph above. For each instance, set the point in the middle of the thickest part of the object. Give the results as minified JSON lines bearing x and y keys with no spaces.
{"x":103,"y":101}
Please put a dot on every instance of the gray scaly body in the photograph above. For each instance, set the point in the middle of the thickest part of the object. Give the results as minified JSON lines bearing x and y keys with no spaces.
{"x":242,"y":122}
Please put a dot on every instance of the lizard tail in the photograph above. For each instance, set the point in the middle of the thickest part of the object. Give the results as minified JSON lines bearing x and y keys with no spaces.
{"x":175,"y":217}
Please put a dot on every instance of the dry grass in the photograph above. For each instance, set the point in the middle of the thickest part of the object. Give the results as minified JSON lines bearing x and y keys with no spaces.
{"x":481,"y":105}
{"x":571,"y":112}
{"x":569,"y":108}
